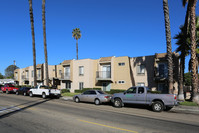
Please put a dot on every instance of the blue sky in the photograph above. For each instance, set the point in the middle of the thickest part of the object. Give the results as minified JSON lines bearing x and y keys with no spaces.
{"x":109,"y":28}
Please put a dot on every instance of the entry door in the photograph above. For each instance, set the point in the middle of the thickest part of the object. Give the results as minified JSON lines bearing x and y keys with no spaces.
{"x":106,"y":86}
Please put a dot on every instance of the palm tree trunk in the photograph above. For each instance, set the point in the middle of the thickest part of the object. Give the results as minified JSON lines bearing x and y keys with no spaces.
{"x":33,"y":42}
{"x":169,"y":51}
{"x":45,"y":45}
{"x":195,"y":96}
{"x":181,"y":91}
{"x":77,"y":48}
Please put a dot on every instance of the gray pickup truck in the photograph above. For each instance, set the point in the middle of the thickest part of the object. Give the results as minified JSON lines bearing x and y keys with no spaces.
{"x":142,"y":95}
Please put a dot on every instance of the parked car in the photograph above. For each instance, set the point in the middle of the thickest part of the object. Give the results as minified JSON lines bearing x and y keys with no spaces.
{"x":44,"y":91}
{"x":96,"y":96}
{"x":143,"y":95}
{"x":8,"y":88}
{"x":24,"y":91}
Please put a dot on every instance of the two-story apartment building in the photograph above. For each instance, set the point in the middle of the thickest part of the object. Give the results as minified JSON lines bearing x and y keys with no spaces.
{"x":106,"y":73}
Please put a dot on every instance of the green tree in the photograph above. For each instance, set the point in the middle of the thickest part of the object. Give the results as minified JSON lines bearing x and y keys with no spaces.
{"x":169,"y":48}
{"x":33,"y":41}
{"x":9,"y":71}
{"x":194,"y":63}
{"x":45,"y":44}
{"x":76,"y":34}
{"x":187,"y":79}
{"x":1,"y":76}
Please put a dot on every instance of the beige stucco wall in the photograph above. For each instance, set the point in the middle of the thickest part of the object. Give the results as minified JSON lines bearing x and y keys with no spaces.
{"x":121,"y":73}
{"x":87,"y":78}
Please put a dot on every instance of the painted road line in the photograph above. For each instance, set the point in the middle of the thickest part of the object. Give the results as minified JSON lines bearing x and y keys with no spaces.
{"x":108,"y":126}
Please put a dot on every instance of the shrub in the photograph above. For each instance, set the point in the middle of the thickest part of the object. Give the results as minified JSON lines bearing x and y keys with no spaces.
{"x":65,"y":90}
{"x":78,"y":91}
{"x":154,"y":92}
{"x":112,"y":91}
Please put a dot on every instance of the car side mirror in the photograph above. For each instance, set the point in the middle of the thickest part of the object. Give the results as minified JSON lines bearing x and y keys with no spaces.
{"x":125,"y":93}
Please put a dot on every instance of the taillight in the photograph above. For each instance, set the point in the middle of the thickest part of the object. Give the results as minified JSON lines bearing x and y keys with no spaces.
{"x":175,"y":97}
{"x":106,"y":97}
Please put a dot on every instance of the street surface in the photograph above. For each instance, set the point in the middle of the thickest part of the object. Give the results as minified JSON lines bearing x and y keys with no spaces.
{"x":23,"y":114}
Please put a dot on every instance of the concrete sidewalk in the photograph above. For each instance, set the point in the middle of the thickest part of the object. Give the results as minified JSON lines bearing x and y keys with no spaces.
{"x":176,"y":109}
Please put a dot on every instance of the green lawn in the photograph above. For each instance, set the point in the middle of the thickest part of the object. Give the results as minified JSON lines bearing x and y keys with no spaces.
{"x":188,"y":103}
{"x":69,"y":94}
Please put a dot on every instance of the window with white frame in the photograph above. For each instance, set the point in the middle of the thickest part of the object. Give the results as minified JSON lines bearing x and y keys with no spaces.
{"x":121,"y":64}
{"x":140,"y":84}
{"x":81,"y":85}
{"x":121,"y":82}
{"x":81,"y":70}
{"x":141,"y":69}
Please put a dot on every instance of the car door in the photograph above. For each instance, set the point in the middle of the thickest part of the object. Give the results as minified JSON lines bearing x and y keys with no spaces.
{"x":130,"y":95}
{"x":141,"y":95}
{"x":84,"y":96}
{"x":92,"y":96}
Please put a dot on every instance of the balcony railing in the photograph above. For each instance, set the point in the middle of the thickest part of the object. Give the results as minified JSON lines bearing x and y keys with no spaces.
{"x":65,"y":76}
{"x":103,"y":75}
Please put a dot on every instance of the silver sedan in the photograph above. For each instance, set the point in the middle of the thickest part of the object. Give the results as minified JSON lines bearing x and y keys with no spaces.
{"x":96,"y":96}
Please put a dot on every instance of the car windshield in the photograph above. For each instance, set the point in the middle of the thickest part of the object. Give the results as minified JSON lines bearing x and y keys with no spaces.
{"x":11,"y":85}
{"x":43,"y":87}
{"x":101,"y":92}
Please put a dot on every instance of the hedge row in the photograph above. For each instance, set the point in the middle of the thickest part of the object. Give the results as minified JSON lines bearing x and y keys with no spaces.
{"x":85,"y":89}
{"x":112,"y":91}
{"x":65,"y":90}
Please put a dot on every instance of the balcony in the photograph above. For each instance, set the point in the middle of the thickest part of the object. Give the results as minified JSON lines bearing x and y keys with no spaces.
{"x":65,"y":76}
{"x":24,"y":77}
{"x":103,"y":75}
{"x":161,"y":76}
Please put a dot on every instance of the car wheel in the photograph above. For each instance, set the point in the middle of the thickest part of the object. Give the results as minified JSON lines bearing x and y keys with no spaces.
{"x":168,"y":108}
{"x":117,"y":103}
{"x":77,"y":99}
{"x":43,"y":95}
{"x":24,"y":94}
{"x":17,"y":93}
{"x":7,"y":92}
{"x":31,"y":95}
{"x":157,"y":106}
{"x":97,"y":101}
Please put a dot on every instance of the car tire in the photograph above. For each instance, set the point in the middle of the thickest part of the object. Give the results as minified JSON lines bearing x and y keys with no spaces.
{"x":17,"y":93}
{"x":77,"y":99}
{"x":97,"y":101}
{"x":168,"y":108}
{"x":7,"y":92}
{"x":157,"y":106}
{"x":24,"y":94}
{"x":117,"y":103}
{"x":43,"y":95}
{"x":30,"y":94}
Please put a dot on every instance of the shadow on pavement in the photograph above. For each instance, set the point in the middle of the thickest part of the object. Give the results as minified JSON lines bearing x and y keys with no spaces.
{"x":21,"y":109}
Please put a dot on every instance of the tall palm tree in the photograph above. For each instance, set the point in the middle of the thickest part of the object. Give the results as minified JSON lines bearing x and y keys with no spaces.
{"x":183,"y":47}
{"x":192,"y":5}
{"x":33,"y":41}
{"x":45,"y":44}
{"x":77,"y":35}
{"x":169,"y":48}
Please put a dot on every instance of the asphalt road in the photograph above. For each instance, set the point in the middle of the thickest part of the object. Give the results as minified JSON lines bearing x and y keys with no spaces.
{"x":20,"y":114}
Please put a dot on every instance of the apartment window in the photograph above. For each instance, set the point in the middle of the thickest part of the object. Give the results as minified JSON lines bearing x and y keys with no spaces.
{"x":162,"y":70}
{"x":32,"y":73}
{"x":39,"y":73}
{"x":121,"y":82}
{"x":81,"y":71}
{"x":27,"y":74}
{"x":32,"y":83}
{"x":121,"y":64}
{"x":81,"y":85}
{"x":60,"y":72}
{"x":53,"y":70}
{"x":16,"y":76}
{"x":140,"y":84}
{"x":141,"y":69}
